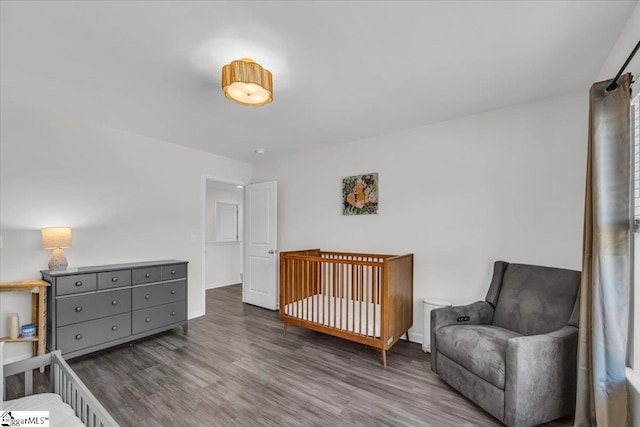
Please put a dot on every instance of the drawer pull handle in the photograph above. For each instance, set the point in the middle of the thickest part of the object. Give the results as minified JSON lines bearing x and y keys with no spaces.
{"x":114,"y":279}
{"x":173,"y":272}
{"x":173,"y":313}
{"x":147,"y":275}
{"x":173,"y":291}
{"x":147,"y":296}
{"x":79,"y":337}
{"x":78,"y":283}
{"x":78,"y":309}
{"x":148,"y":319}
{"x":114,"y":302}
{"x":114,"y":328}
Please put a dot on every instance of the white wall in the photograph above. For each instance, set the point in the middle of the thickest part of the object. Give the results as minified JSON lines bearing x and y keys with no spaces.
{"x":222,"y":259}
{"x":503,"y":185}
{"x":127,"y":198}
{"x":628,"y":38}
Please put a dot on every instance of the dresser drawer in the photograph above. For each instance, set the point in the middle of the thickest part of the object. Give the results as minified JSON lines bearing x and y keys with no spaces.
{"x":114,"y":279}
{"x":157,"y":317}
{"x":80,"y":308}
{"x":77,"y":283}
{"x":162,"y":293}
{"x":146,"y":275}
{"x":93,"y":332}
{"x":178,"y":271}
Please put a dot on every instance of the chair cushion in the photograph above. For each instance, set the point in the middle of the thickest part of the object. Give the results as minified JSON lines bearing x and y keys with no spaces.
{"x":480,"y":349}
{"x":536,"y":300}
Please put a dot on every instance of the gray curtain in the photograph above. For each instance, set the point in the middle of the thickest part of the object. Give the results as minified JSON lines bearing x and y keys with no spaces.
{"x":604,"y":295}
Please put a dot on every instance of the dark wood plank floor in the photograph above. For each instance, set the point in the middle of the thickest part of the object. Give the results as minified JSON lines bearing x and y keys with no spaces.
{"x":236,"y":368}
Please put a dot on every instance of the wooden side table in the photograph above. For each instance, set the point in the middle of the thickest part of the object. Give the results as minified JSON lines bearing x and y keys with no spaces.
{"x":38,"y":290}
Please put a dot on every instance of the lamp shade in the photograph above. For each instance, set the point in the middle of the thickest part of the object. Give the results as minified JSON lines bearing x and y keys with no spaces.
{"x":247,"y":83}
{"x":56,"y":237}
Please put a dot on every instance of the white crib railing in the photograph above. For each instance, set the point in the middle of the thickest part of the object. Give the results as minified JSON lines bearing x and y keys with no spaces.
{"x":65,"y":383}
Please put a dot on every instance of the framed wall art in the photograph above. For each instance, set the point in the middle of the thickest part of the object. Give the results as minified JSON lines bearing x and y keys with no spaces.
{"x":360,"y":194}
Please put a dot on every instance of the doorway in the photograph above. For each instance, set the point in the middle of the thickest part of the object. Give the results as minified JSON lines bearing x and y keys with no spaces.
{"x":223,"y":231}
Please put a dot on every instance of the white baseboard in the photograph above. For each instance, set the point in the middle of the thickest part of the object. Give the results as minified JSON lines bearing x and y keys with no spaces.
{"x":222,"y":284}
{"x":414,"y":337}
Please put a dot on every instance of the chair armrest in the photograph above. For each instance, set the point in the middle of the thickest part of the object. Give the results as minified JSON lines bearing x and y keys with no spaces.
{"x":540,"y":383}
{"x":479,"y":313}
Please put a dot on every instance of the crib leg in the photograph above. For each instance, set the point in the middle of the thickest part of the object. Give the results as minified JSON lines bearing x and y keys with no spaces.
{"x":384,"y":357}
{"x":284,"y":329}
{"x":407,"y":333}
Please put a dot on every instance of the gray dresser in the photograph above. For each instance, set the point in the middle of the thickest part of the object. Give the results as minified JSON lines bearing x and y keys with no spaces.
{"x":93,"y":308}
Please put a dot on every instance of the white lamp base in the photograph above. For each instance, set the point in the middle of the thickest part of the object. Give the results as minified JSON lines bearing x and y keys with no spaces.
{"x":58,"y":261}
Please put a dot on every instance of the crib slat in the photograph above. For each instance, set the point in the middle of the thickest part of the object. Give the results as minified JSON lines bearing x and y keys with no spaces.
{"x":366,"y":301}
{"x":344,"y":312}
{"x":305,"y":278}
{"x":351,"y":298}
{"x":336,"y":294}
{"x":289,"y":281}
{"x":376,"y":280}
{"x":299,"y":289}
{"x":343,"y":297}
{"x":314,"y":291}
{"x":321,"y":283}
{"x":363,"y":284}
{"x":286,"y":284}
{"x":311,"y":290}
{"x":64,"y":390}
{"x":296,"y":279}
{"x":338,"y":268}
{"x":360,"y":294}
{"x":284,"y":266}
{"x":294,"y":290}
{"x":321,"y":292}
{"x":357,"y":300}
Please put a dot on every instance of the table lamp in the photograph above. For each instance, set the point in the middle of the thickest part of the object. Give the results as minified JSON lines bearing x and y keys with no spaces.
{"x":56,"y":238}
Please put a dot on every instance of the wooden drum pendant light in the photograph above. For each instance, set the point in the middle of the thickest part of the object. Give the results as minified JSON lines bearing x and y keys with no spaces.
{"x":247,"y":83}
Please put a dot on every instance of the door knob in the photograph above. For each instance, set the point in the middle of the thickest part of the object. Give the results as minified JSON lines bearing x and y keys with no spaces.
{"x":271,"y":252}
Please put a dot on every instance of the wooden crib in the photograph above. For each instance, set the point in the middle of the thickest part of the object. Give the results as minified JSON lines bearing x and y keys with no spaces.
{"x":359,"y":297}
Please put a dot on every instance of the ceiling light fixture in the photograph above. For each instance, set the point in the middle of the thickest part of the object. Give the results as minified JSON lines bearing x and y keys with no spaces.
{"x":247,"y":83}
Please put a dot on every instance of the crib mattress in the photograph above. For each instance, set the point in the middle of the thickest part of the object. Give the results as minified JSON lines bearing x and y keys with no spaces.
{"x":60,"y":414}
{"x":350,"y":315}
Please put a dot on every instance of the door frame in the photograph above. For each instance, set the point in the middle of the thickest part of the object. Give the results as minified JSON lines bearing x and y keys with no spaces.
{"x":203,"y":231}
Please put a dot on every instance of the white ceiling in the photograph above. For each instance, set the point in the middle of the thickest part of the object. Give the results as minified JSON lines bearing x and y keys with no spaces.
{"x":342,"y":71}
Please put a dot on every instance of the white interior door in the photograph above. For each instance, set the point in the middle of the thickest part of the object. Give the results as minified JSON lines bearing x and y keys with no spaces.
{"x":260,"y":281}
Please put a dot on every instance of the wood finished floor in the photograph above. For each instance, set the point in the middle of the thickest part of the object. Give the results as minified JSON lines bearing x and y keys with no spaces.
{"x":235,"y":368}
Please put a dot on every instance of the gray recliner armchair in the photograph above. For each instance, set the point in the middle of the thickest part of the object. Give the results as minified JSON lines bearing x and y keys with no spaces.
{"x":515,"y":353}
